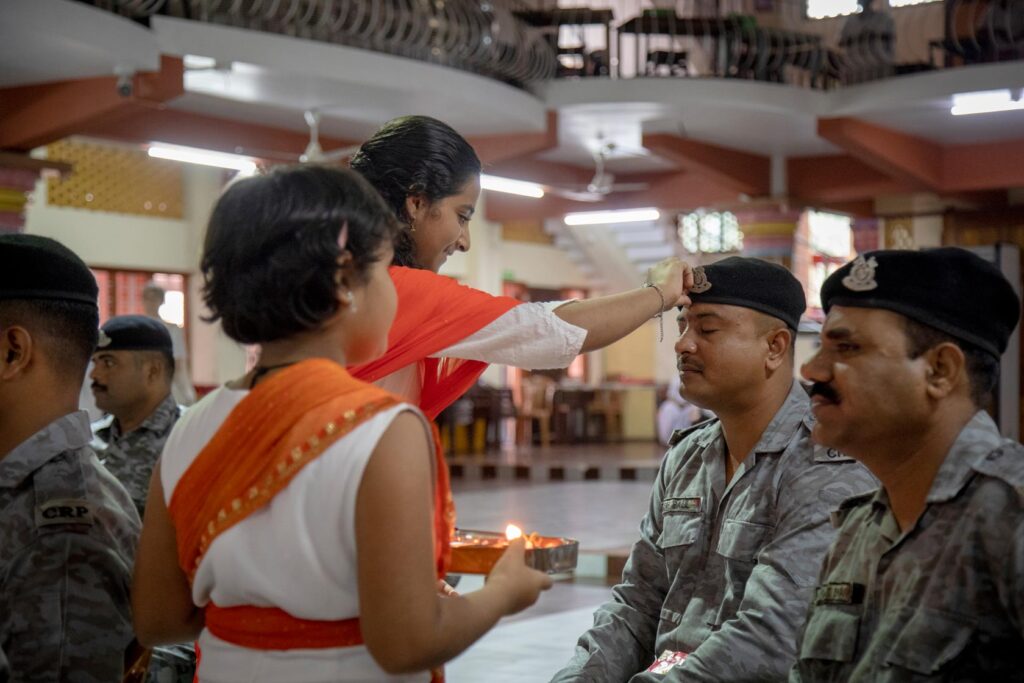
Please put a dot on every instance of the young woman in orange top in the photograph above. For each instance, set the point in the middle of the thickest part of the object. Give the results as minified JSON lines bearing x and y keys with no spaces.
{"x":272,"y":531}
{"x":445,"y":334}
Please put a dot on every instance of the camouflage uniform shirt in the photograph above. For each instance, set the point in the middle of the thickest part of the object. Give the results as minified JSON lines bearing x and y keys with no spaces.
{"x":67,"y":541}
{"x":723,"y":571}
{"x":131,"y":457}
{"x":943,"y":600}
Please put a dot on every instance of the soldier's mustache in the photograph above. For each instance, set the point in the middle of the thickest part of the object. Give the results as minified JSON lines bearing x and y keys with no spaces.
{"x":824,"y":390}
{"x":96,"y":386}
{"x":688,"y":364}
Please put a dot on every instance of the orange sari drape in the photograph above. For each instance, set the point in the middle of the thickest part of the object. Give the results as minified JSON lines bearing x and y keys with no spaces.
{"x":434,"y":312}
{"x":281,"y":426}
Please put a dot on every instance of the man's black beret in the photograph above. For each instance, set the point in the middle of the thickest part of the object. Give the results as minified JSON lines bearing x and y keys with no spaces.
{"x":950,"y":289}
{"x":751,"y":283}
{"x":35,"y":267}
{"x":134,"y":333}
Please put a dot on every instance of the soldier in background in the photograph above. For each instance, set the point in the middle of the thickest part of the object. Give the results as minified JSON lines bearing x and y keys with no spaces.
{"x":926,"y":578}
{"x":153,"y":296}
{"x":131,"y":380}
{"x":717,"y":587}
{"x":68,"y":529}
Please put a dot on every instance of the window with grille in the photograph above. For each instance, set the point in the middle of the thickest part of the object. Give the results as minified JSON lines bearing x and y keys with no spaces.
{"x":710,"y":232}
{"x":121,"y":293}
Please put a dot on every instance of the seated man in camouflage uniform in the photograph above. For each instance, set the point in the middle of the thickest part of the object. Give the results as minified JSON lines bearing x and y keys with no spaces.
{"x":925,"y":580}
{"x":68,"y":529}
{"x":131,"y":379}
{"x":132,"y":373}
{"x":718,"y":584}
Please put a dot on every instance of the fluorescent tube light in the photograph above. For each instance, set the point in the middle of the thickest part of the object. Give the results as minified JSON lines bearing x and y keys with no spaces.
{"x":985,"y":102}
{"x":198,"y":62}
{"x":203,"y":157}
{"x":610,"y":217}
{"x":510,"y":186}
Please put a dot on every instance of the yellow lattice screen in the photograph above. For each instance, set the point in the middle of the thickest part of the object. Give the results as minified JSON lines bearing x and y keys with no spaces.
{"x":115,"y":179}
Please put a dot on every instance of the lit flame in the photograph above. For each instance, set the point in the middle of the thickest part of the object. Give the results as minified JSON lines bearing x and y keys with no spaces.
{"x":513,"y":532}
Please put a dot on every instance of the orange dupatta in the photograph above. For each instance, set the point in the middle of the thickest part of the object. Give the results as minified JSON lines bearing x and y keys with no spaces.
{"x":434,"y":312}
{"x":280,"y":427}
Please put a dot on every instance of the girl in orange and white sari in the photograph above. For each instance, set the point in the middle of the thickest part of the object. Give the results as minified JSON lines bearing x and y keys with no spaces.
{"x":445,"y":333}
{"x":298,"y":520}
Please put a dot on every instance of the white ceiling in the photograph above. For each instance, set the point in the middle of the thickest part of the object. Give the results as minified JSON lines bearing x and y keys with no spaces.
{"x":54,"y":40}
{"x":271,"y":79}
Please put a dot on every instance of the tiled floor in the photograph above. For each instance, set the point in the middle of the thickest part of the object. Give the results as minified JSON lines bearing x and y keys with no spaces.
{"x":531,"y":646}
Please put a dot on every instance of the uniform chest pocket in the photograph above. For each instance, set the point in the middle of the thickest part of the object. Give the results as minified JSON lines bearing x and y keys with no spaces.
{"x":680,"y":529}
{"x":930,"y":640}
{"x":831,"y":634}
{"x":739,"y":540}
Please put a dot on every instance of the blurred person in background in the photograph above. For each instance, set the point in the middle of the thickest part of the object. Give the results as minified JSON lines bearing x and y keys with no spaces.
{"x":153,"y":296}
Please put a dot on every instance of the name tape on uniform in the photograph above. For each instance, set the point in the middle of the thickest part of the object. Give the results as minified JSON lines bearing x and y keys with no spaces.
{"x":64,"y":511}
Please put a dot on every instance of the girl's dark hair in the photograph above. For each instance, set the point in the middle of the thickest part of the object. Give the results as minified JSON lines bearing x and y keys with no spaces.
{"x":270,"y":260}
{"x":415,"y":155}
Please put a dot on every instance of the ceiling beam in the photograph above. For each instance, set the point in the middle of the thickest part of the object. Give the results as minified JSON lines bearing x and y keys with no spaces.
{"x":903,"y":157}
{"x":34,"y":115}
{"x":744,"y":172}
{"x":990,"y":166}
{"x":838,"y":178}
{"x":493,"y":149}
{"x":208,"y":132}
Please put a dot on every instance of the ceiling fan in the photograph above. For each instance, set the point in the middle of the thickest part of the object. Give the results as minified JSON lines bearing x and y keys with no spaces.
{"x":314,"y":153}
{"x":603,"y":183}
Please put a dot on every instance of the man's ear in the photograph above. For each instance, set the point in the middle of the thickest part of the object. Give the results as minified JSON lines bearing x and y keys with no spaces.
{"x":780,"y":341}
{"x":947,"y":368}
{"x":17,"y":347}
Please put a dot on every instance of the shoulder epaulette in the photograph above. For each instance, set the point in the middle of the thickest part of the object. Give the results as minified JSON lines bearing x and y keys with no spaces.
{"x":839,"y":515}
{"x":681,"y":434}
{"x":1006,"y":463}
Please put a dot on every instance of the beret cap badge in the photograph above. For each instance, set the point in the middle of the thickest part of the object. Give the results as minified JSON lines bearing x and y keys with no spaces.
{"x":700,"y":281}
{"x":862,"y":275}
{"x":104,"y":340}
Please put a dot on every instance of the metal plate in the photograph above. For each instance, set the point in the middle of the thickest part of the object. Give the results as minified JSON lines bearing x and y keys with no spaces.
{"x":476,"y":552}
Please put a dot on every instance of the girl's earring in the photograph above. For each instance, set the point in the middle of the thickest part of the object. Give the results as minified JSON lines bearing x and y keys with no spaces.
{"x":350,"y":301}
{"x":412,"y":227}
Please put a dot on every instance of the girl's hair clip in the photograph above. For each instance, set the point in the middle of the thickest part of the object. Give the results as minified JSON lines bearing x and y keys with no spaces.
{"x":343,"y":237}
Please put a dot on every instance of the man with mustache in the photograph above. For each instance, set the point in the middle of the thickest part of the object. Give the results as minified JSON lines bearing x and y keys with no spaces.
{"x":925,"y":580}
{"x":718,"y":584}
{"x":133,"y":368}
{"x":132,"y":376}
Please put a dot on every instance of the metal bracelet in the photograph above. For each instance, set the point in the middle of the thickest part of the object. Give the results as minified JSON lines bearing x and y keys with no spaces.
{"x":661,"y":310}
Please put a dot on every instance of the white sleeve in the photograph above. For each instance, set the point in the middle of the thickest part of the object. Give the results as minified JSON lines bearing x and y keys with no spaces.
{"x":530,"y":336}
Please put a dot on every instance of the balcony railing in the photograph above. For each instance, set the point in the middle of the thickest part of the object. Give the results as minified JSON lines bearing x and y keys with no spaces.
{"x":482,"y":37}
{"x":523,"y":41}
{"x":776,"y":40}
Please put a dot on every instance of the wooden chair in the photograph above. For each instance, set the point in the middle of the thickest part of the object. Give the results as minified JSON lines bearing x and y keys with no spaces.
{"x":537,"y":404}
{"x":606,"y":411}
